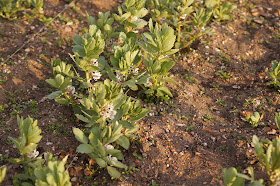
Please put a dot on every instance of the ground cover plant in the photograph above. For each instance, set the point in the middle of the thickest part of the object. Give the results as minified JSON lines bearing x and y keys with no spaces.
{"x":141,"y":96}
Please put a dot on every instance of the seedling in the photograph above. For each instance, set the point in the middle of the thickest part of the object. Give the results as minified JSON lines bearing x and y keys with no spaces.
{"x":207,"y":117}
{"x":253,"y":119}
{"x":274,"y":74}
{"x":268,"y":153}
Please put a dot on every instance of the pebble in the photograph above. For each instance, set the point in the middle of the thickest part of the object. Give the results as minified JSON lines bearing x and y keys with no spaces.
{"x":32,"y":27}
{"x":74,"y":179}
{"x":27,"y":50}
{"x":236,"y":87}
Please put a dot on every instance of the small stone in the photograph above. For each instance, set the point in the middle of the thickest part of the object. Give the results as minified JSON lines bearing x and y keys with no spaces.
{"x":32,"y":27}
{"x":74,"y":179}
{"x":236,"y":87}
{"x":68,"y":29}
{"x":27,"y":50}
{"x":49,"y":143}
{"x":146,"y":147}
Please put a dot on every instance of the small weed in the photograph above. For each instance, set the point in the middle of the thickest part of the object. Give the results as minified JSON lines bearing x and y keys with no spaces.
{"x":207,"y":117}
{"x":189,"y":128}
{"x":189,"y":78}
{"x":223,"y":148}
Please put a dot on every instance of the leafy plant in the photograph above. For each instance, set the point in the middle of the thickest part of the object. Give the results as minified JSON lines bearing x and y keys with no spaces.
{"x":233,"y":178}
{"x":9,"y":8}
{"x":35,"y":173}
{"x":38,"y":5}
{"x":188,"y":17}
{"x":274,"y":75}
{"x":268,"y":153}
{"x":254,"y":119}
{"x":130,"y":14}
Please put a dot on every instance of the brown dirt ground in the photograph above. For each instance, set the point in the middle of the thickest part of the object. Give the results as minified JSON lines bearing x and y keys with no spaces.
{"x":177,"y":145}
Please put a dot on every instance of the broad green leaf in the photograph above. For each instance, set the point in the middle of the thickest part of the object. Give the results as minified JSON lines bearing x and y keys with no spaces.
{"x":100,"y":162}
{"x":54,"y":94}
{"x":85,"y":148}
{"x":80,"y":136}
{"x":123,"y":141}
{"x":113,"y":172}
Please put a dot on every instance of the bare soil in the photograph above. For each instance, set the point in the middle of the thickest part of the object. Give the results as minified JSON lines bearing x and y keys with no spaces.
{"x":186,"y":141}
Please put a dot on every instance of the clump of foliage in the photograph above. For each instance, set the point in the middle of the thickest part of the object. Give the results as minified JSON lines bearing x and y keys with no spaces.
{"x":274,"y":74}
{"x":37,"y":170}
{"x":189,"y":17}
{"x":268,"y":153}
{"x":9,"y":8}
{"x":112,"y":63}
{"x":254,"y":119}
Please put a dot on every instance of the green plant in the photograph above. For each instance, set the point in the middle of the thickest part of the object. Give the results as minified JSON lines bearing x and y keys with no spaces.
{"x":188,"y":17}
{"x":274,"y":75}
{"x":253,"y":119}
{"x":268,"y":153}
{"x":207,"y":117}
{"x":38,"y":5}
{"x":2,"y":173}
{"x":35,"y":172}
{"x":9,"y":8}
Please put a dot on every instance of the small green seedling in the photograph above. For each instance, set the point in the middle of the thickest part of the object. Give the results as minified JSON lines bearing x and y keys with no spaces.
{"x":274,"y":75}
{"x":254,"y":119}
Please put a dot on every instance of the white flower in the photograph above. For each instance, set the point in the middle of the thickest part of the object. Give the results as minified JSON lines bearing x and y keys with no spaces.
{"x":96,"y":75}
{"x":119,"y":77}
{"x":161,"y":57}
{"x":108,"y":111}
{"x":136,"y":31}
{"x":70,"y":90}
{"x":108,"y":147}
{"x":148,"y":83}
{"x":112,"y":158}
{"x":183,"y":16}
{"x":134,"y":18}
{"x":94,"y":62}
{"x":32,"y":154}
{"x":133,"y":71}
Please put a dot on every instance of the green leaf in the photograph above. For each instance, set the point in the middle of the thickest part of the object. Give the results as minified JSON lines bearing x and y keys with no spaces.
{"x":210,"y":3}
{"x":78,"y":40}
{"x":100,"y":162}
{"x":165,"y":90}
{"x":118,"y":164}
{"x":54,"y":94}
{"x":126,"y":124}
{"x":123,"y":141}
{"x":113,"y":172}
{"x":85,"y":148}
{"x":15,"y":160}
{"x":29,"y":148}
{"x":80,"y":136}
{"x":230,"y":177}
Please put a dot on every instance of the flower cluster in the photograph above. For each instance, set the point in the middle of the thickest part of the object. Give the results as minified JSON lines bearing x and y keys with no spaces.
{"x":94,"y":62}
{"x":108,"y":111}
{"x":183,"y":16}
{"x":33,"y":154}
{"x":110,"y":158}
{"x":133,"y":71}
{"x":70,"y":90}
{"x":108,"y":147}
{"x":96,"y":75}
